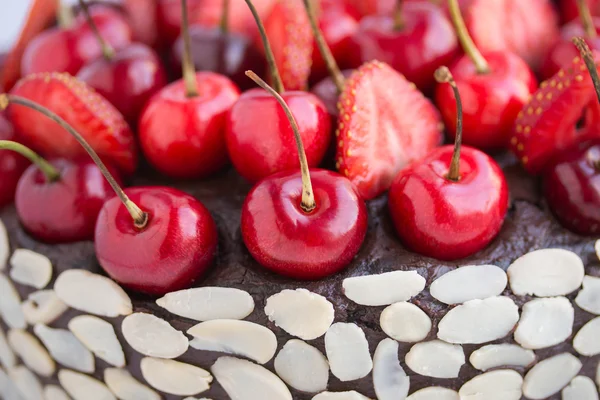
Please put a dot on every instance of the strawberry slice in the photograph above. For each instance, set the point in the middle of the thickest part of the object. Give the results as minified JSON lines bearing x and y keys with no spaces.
{"x":98,"y":121}
{"x":385,"y":124}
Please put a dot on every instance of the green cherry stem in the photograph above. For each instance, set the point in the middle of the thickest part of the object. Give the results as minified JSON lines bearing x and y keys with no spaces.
{"x":399,"y":16}
{"x":588,"y":59}
{"x":481,"y":65}
{"x":224,"y":23}
{"x":586,"y":19}
{"x":64,"y":15}
{"x":107,"y":51}
{"x":187,"y":66}
{"x":51,"y":173}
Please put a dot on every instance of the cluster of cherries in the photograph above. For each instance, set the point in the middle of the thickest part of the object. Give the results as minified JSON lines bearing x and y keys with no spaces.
{"x":88,"y":83}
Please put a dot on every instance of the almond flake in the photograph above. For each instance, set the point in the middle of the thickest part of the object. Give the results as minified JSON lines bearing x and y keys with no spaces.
{"x":587,"y":340}
{"x":231,"y":336}
{"x":65,"y":348}
{"x":53,"y":392}
{"x":175,"y":377}
{"x":546,"y":273}
{"x":302,"y":367}
{"x":351,"y":395}
{"x":545,"y":323}
{"x":27,"y":383}
{"x":7,"y":357}
{"x":153,"y":336}
{"x":588,"y":298}
{"x":479,"y":321}
{"x":244,"y":380}
{"x":208,"y":303}
{"x":43,"y":307}
{"x":30,"y":268}
{"x":31,"y":352}
{"x":8,"y":388}
{"x":4,"y":246}
{"x":10,"y":304}
{"x":502,"y":384}
{"x":92,"y":293}
{"x":83,"y":387}
{"x":434,"y":393}
{"x":99,"y":337}
{"x":389,"y":379}
{"x":468,"y":283}
{"x":300,"y":313}
{"x":549,"y":376}
{"x":126,"y":387}
{"x":436,"y":359}
{"x":580,"y":388}
{"x":348,"y":351}
{"x":405,"y":322}
{"x":383,"y":289}
{"x":500,"y":355}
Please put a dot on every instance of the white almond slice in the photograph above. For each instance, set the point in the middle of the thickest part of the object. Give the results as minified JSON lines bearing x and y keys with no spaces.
{"x":27,"y":383}
{"x":8,"y":390}
{"x":545,"y":322}
{"x":83,"y":387}
{"x":300,"y":313}
{"x":500,"y":355}
{"x":502,"y":384}
{"x":434,"y":393}
{"x":10,"y":304}
{"x":468,"y":283}
{"x":588,"y":298}
{"x":479,"y":321}
{"x":580,"y":388}
{"x":65,"y":348}
{"x":549,"y":376}
{"x":587,"y":340}
{"x":208,"y":303}
{"x":436,"y":359}
{"x":405,"y":322}
{"x":30,"y":268}
{"x":43,"y":307}
{"x":389,"y":379}
{"x":99,"y":337}
{"x":32,"y":353}
{"x":546,"y":273}
{"x":7,"y":357}
{"x":302,"y":367}
{"x":53,"y":392}
{"x":92,"y":293}
{"x":231,"y":336}
{"x":348,"y":351}
{"x":244,"y":380}
{"x":383,"y":289}
{"x":126,"y":387}
{"x":153,"y":336}
{"x":175,"y":377}
{"x":351,"y":395}
{"x":4,"y":246}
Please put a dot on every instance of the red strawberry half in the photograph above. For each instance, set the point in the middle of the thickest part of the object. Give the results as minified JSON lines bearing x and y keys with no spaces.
{"x":385,"y":123}
{"x":98,"y":121}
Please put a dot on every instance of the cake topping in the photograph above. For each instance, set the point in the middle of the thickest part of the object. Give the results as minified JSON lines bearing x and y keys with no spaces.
{"x":350,"y":395}
{"x":598,"y":375}
{"x":300,"y":313}
{"x":479,"y":321}
{"x":7,"y":357}
{"x":31,"y":352}
{"x":348,"y":351}
{"x":545,"y":322}
{"x":92,"y":293}
{"x":126,"y":387}
{"x":10,"y":304}
{"x":231,"y":336}
{"x":405,"y":322}
{"x":436,"y":358}
{"x":53,"y":392}
{"x":502,"y":384}
{"x":498,"y":355}
{"x":549,"y":376}
{"x":8,"y":387}
{"x":587,"y":340}
{"x":83,"y":387}
{"x":434,"y":393}
{"x":43,"y":307}
{"x":208,"y":303}
{"x":383,"y":289}
{"x":153,"y":336}
{"x":468,"y":283}
{"x":99,"y":337}
{"x":65,"y":348}
{"x":389,"y":379}
{"x":580,"y":388}
{"x":28,"y":385}
{"x":175,"y":377}
{"x":588,"y":298}
{"x":244,"y":380}
{"x":302,"y":367}
{"x":30,"y":268}
{"x":4,"y":246}
{"x":545,"y":273}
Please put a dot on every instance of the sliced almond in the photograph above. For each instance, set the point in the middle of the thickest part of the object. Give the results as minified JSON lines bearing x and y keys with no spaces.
{"x":153,"y":336}
{"x":7,"y":357}
{"x":83,"y":387}
{"x":126,"y":387}
{"x":65,"y":348}
{"x":302,"y":367}
{"x":4,"y":246}
{"x":389,"y":379}
{"x":244,"y":380}
{"x":31,"y":352}
{"x":231,"y":336}
{"x":405,"y":322}
{"x":351,"y":395}
{"x":383,"y":289}
{"x":175,"y":377}
{"x":502,"y":384}
{"x":28,"y":385}
{"x":580,"y":388}
{"x":300,"y":313}
{"x":468,"y":283}
{"x":588,"y":298}
{"x":30,"y":268}
{"x":92,"y":293}
{"x":53,"y":392}
{"x":434,"y":393}
{"x":8,"y":388}
{"x":549,"y":376}
{"x":479,"y":321}
{"x":348,"y":351}
{"x":99,"y":337}
{"x":10,"y":304}
{"x":436,"y":359}
{"x":545,"y":322}
{"x":587,"y":340}
{"x":43,"y":307}
{"x":500,"y":355}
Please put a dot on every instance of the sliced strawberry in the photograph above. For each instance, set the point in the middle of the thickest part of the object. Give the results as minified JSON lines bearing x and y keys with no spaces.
{"x":385,"y":123}
{"x":90,"y":114}
{"x":548,"y":123}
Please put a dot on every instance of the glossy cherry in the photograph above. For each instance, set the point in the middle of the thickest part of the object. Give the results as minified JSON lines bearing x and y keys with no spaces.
{"x":143,"y":19}
{"x":12,"y":165}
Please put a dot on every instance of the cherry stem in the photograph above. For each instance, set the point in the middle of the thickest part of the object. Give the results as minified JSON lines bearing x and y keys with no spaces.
{"x":107,"y":51}
{"x":51,"y":173}
{"x":399,"y":16}
{"x":275,"y":77}
{"x":224,"y":24}
{"x":443,"y":75}
{"x":586,"y":19}
{"x":64,"y":15}
{"x":481,"y":65}
{"x":588,"y":58}
{"x":187,"y":66}
{"x":140,"y":218}
{"x":308,"y":198}
{"x":332,"y":66}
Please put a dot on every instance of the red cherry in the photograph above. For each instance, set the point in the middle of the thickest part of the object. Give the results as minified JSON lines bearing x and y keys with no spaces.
{"x":569,"y":10}
{"x":143,"y":19}
{"x":328,"y":93}
{"x":12,"y":165}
